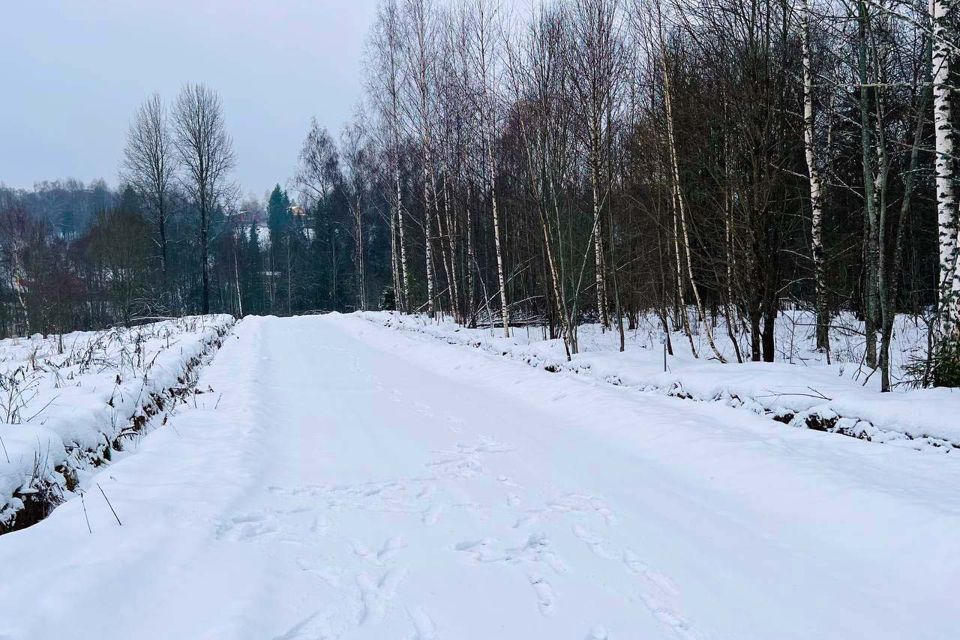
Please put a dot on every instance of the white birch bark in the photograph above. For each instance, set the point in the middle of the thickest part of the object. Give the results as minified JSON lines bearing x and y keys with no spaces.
{"x":816,"y":190}
{"x":946,"y":194}
{"x":488,"y":125}
{"x":402,"y":284}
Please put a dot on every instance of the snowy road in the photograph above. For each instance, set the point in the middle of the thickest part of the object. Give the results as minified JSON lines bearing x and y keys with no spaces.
{"x":347,"y":481}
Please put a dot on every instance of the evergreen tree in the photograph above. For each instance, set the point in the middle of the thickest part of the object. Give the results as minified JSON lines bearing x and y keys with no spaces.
{"x":278,"y":214}
{"x":254,"y":298}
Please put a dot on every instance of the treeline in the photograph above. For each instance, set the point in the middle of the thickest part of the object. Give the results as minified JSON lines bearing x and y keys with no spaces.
{"x":177,"y":239}
{"x":600,"y":160}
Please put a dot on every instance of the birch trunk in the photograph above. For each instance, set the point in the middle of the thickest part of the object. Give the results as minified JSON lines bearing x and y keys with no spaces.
{"x":598,"y":233}
{"x":404,"y":272}
{"x":946,"y":195}
{"x":361,"y":275}
{"x":488,"y":125}
{"x":869,"y":193}
{"x":471,"y":264}
{"x":428,"y":227}
{"x":452,"y":248}
{"x":816,"y":190}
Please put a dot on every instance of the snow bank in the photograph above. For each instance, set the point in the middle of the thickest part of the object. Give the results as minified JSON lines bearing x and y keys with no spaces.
{"x":68,"y":403}
{"x":801,"y":390}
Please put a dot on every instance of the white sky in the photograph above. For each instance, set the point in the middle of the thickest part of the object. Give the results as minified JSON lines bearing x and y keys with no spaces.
{"x":72,"y":72}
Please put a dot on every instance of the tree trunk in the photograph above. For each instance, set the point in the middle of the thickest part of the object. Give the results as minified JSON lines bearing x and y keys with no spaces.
{"x":869,"y":195}
{"x":946,"y":195}
{"x":816,"y":191}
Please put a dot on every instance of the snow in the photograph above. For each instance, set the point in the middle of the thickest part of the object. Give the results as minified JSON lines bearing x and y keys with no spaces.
{"x":66,"y":401}
{"x":346,"y":480}
{"x":798,"y":386}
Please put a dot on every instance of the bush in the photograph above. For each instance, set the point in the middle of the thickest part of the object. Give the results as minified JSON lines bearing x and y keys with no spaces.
{"x":946,"y":363}
{"x":388,"y":299}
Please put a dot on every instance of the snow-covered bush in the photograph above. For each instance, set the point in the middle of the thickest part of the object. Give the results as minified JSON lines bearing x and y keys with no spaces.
{"x":68,"y":403}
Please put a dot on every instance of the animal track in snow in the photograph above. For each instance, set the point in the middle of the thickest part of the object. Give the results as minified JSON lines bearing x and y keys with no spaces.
{"x":461,"y":466}
{"x":535,"y":550}
{"x":595,"y":542}
{"x":313,"y":627}
{"x":670,"y":618}
{"x":361,"y":550}
{"x":246,"y":527}
{"x":390,"y":548}
{"x":467,"y":460}
{"x":546,"y":599}
{"x":432,"y":514}
{"x":598,"y":633}
{"x":327,"y":575}
{"x":424,"y":627}
{"x":376,"y":595}
{"x":532,"y":517}
{"x":583,"y":503}
{"x":638,"y":566}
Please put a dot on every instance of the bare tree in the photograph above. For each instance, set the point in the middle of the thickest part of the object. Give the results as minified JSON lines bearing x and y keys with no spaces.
{"x":357,"y":156}
{"x":484,"y":26}
{"x":206,"y":151}
{"x":319,"y":167}
{"x":384,"y":89}
{"x":420,"y":59}
{"x":150,"y":165}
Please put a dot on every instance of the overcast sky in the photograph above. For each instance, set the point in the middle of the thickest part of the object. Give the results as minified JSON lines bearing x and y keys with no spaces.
{"x":73,"y":72}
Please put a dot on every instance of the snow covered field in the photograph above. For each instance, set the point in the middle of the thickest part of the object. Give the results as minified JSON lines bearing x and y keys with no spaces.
{"x":68,"y":403}
{"x":358,"y":482}
{"x":800,"y":389}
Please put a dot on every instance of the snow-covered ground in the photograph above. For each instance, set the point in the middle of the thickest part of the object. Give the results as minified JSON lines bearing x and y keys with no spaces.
{"x":358,"y":482}
{"x":68,"y":403}
{"x":800,"y":388}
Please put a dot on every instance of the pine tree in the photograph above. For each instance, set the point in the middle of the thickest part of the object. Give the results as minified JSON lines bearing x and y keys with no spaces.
{"x":255,"y":302}
{"x":278,"y":214}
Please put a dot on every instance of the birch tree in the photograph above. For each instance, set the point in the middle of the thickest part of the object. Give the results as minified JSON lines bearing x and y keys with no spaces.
{"x":484,"y":26}
{"x":420,"y":58}
{"x":387,"y":43}
{"x":816,"y":185}
{"x":947,"y":220}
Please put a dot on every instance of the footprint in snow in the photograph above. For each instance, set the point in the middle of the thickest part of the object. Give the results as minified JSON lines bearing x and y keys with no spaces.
{"x":390,"y":548}
{"x":427,"y":491}
{"x":376,"y":596}
{"x":532,"y":517}
{"x":670,"y":618}
{"x":361,"y":550}
{"x":329,"y":576}
{"x":598,"y":633}
{"x":246,"y":528}
{"x":432,"y":515}
{"x":595,"y":542}
{"x":423,"y":625}
{"x":313,"y":627}
{"x":546,"y":598}
{"x":636,"y":565}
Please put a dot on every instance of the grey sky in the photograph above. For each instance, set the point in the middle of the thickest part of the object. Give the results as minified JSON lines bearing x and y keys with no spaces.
{"x":72,"y":73}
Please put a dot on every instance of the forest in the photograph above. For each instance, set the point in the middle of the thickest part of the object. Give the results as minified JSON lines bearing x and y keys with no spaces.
{"x":703,"y":165}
